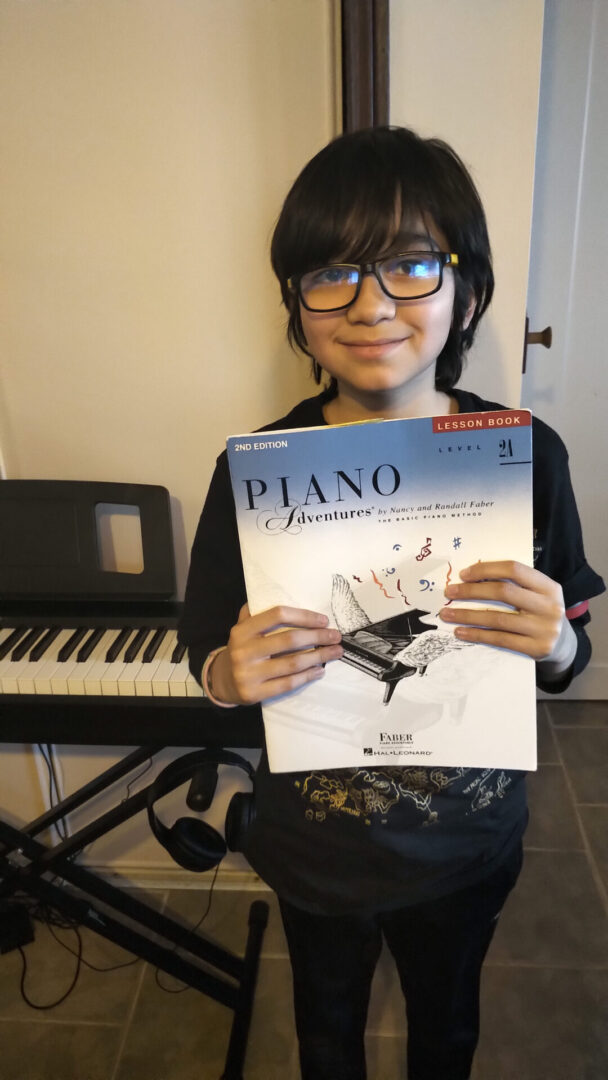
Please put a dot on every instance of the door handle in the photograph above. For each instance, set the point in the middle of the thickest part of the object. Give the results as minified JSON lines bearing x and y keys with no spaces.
{"x":536,"y":337}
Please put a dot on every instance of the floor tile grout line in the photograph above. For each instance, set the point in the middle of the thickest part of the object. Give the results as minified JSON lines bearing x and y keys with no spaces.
{"x":61,"y":1023}
{"x":131,"y":1012}
{"x":595,"y":873}
{"x":535,"y":966}
{"x":556,"y":850}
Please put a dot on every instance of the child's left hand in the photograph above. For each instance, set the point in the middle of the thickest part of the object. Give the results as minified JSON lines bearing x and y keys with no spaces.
{"x":537,"y":626}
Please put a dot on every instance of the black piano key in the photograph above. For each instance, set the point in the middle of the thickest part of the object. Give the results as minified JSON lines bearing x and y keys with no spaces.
{"x":115,"y":648}
{"x":178,"y":653}
{"x":85,"y":650}
{"x":12,"y":640}
{"x":154,"y":644}
{"x":72,"y":643}
{"x":136,"y":644}
{"x":27,"y":642}
{"x":45,"y":642}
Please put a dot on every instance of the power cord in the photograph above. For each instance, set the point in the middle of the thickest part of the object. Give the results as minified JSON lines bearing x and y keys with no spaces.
{"x":186,"y":986}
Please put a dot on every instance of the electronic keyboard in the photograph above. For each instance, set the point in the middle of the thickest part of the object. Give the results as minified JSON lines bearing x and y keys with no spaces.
{"x":90,"y":656}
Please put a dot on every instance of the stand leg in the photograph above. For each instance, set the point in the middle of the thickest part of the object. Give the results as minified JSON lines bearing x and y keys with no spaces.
{"x":237,"y":1047}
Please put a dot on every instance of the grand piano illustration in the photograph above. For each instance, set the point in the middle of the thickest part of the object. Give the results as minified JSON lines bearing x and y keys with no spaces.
{"x":388,"y":650}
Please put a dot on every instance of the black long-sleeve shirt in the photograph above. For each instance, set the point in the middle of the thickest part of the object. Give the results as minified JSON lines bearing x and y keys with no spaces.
{"x":368,"y":839}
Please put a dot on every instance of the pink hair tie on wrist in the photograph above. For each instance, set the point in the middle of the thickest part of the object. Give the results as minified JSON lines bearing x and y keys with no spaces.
{"x":205,"y":680}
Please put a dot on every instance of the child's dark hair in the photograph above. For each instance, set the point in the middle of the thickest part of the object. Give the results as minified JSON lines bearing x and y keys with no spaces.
{"x":342,"y":208}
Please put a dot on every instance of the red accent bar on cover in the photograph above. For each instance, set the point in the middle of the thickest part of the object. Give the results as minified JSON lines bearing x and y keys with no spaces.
{"x":506,"y":418}
{"x":578,"y":609}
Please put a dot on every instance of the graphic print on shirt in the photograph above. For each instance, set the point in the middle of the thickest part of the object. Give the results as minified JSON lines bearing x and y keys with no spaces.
{"x":371,"y":794}
{"x":374,"y":793}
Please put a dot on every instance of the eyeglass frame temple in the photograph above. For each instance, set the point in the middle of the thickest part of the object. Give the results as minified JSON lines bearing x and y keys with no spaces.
{"x":446,"y":258}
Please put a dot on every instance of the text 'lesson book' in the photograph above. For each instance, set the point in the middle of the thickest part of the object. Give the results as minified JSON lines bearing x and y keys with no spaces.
{"x":367,"y":523}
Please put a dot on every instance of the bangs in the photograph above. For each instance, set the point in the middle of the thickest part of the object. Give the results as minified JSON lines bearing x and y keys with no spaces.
{"x":351,"y":207}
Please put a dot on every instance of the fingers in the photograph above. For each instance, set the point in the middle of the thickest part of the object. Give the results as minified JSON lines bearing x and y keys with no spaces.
{"x":530,"y":619}
{"x":275,"y":652}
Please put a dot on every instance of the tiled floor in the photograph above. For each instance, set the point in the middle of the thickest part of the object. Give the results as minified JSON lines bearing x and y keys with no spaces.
{"x":545,"y":984}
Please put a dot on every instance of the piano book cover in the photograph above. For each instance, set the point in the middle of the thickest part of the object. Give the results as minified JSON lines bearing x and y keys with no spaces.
{"x":367,"y":523}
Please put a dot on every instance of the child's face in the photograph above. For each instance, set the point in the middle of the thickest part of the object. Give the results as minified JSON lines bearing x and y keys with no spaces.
{"x":380,"y":348}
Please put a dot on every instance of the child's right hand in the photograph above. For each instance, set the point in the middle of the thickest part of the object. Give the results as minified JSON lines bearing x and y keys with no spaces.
{"x":258,"y":664}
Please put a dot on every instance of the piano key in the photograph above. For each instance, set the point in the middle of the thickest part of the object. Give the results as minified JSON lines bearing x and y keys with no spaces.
{"x":162,"y":674}
{"x":73,"y":643}
{"x":93,"y":639}
{"x":110,"y":677}
{"x":27,"y":643}
{"x":45,"y":642}
{"x":119,"y":642}
{"x":137,"y":643}
{"x":193,"y":689}
{"x":63,"y":671}
{"x":50,"y":664}
{"x":126,"y":681}
{"x":7,"y":664}
{"x":94,"y":672}
{"x":178,"y":653}
{"x":182,"y":683}
{"x":154,"y":644}
{"x":8,"y":638}
{"x":177,"y":679}
{"x":17,"y":676}
{"x":80,"y":672}
{"x":147,"y":673}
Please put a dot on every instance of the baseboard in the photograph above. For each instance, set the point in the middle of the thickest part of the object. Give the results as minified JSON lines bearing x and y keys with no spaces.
{"x":147,"y":877}
{"x":590,"y":685}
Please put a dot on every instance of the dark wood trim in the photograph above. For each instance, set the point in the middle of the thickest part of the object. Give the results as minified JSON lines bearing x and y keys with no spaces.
{"x":365,"y":63}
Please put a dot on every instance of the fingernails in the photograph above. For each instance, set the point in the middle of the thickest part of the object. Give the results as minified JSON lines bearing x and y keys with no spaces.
{"x":451,"y":590}
{"x":447,"y":614}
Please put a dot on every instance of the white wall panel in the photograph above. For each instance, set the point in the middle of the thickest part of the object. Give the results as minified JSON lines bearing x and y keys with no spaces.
{"x":470,"y":74}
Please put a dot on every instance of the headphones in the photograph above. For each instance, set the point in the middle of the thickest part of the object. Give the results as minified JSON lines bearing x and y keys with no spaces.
{"x":193,"y":843}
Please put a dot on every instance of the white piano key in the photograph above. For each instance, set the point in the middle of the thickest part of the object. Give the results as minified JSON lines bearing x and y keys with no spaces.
{"x":6,"y":662}
{"x":10,"y":670}
{"x":59,"y":678}
{"x":160,"y":678}
{"x":94,"y":674}
{"x":81,"y":671}
{"x":50,"y":663}
{"x":193,"y":689}
{"x":37,"y":670}
{"x":18,"y":676}
{"x":110,"y":677}
{"x":126,"y":681}
{"x":178,"y":679}
{"x":147,"y":673}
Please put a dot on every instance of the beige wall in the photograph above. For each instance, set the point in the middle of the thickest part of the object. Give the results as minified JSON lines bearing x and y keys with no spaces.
{"x":147,"y":146}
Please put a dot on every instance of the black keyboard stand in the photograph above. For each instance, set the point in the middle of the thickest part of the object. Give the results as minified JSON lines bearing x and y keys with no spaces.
{"x":49,"y":873}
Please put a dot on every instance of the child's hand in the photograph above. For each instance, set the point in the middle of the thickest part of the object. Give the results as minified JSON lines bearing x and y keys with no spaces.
{"x":258,"y":664}
{"x":537,"y":627}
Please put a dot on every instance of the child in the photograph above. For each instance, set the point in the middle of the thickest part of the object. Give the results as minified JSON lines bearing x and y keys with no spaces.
{"x":403,"y":853}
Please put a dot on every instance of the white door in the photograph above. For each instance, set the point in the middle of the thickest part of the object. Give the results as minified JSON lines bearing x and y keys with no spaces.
{"x":568,"y":385}
{"x":470,"y":74}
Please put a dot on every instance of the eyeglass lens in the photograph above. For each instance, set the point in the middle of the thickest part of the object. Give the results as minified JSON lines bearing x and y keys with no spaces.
{"x":403,"y":277}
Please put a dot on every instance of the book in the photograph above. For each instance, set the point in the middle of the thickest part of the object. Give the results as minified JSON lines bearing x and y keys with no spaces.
{"x":367,"y":523}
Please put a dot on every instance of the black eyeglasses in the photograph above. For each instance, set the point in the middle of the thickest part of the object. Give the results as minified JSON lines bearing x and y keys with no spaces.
{"x":409,"y":276}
